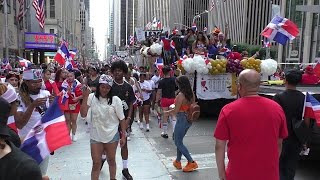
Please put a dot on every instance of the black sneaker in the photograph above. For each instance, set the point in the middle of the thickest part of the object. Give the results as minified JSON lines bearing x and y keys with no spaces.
{"x":126,"y":174}
{"x":165,"y":136}
{"x":102,"y":162}
{"x":86,"y":123}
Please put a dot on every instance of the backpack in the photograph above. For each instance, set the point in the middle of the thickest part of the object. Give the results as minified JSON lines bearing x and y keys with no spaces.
{"x":194,"y":112}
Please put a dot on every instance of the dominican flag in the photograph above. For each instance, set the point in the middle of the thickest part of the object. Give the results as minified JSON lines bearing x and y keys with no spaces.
{"x":24,"y":62}
{"x":12,"y":124}
{"x":175,"y":30}
{"x":194,"y":27}
{"x":280,"y":30}
{"x":73,"y":53}
{"x":266,"y":44}
{"x":205,"y":29}
{"x":312,"y":108}
{"x":48,"y":135}
{"x":131,"y":40}
{"x":62,"y":55}
{"x":159,"y":63}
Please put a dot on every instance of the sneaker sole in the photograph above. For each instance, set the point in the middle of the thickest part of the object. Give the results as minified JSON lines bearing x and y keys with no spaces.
{"x":193,"y":169}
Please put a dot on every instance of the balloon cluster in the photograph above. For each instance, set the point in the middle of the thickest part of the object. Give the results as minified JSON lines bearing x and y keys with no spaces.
{"x":156,"y":49}
{"x":269,"y":66}
{"x":234,"y":66}
{"x":251,"y":63}
{"x":198,"y":64}
{"x":218,"y":66}
{"x":145,"y":51}
{"x":179,"y":64}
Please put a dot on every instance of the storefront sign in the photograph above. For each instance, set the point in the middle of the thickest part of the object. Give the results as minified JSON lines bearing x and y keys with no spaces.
{"x":41,"y":41}
{"x":211,"y":87}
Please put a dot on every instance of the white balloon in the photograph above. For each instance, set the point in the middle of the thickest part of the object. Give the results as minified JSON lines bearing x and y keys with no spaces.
{"x":156,"y":48}
{"x":269,"y":66}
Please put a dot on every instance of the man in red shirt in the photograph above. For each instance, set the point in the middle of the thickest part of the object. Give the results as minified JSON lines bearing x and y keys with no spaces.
{"x":309,"y":77}
{"x":253,"y":128}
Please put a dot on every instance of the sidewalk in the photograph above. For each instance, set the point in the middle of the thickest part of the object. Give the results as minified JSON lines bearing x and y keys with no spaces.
{"x":74,"y":161}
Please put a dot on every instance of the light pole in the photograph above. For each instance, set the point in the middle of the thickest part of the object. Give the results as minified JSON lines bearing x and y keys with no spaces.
{"x":6,"y":29}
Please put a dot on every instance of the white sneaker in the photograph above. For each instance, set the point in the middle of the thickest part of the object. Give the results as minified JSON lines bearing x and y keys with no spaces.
{"x":74,"y":138}
{"x":141,"y":126}
{"x":128,"y":138}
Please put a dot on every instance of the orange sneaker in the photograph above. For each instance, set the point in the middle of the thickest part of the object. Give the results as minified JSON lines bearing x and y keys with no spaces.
{"x":177,"y":164}
{"x":191,"y":166}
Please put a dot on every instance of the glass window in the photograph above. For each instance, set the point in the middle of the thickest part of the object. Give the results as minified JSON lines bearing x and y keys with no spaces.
{"x":51,"y":31}
{"x":52,"y":9}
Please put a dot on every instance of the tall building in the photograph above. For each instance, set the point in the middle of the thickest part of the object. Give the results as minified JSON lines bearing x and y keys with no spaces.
{"x":63,"y":19}
{"x":110,"y":36}
{"x":246,"y":19}
{"x":173,"y":13}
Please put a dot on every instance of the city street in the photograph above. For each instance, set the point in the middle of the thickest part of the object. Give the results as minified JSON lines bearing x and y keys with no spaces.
{"x":151,"y":156}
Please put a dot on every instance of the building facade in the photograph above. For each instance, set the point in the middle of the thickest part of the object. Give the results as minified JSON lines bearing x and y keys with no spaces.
{"x":246,"y":19}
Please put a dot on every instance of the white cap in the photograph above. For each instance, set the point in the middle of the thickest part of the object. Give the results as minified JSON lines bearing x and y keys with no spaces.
{"x":106,"y":79}
{"x":10,"y":95}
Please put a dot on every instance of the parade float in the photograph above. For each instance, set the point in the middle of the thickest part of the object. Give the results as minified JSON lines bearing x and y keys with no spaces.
{"x":214,"y":80}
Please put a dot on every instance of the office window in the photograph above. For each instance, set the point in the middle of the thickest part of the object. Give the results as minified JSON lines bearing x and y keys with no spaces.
{"x":52,"y":9}
{"x":51,"y":31}
{"x":14,"y":5}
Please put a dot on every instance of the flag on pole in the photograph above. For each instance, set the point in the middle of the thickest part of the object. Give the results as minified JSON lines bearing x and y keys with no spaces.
{"x":131,"y":40}
{"x":48,"y":135}
{"x":175,"y":30}
{"x":280,"y":30}
{"x":155,"y":22}
{"x":21,"y":9}
{"x":212,"y":5}
{"x":312,"y":108}
{"x":194,"y":27}
{"x":24,"y":62}
{"x":39,"y":7}
{"x":73,"y":53}
{"x":148,"y":26}
{"x":266,"y":44}
{"x":62,"y":55}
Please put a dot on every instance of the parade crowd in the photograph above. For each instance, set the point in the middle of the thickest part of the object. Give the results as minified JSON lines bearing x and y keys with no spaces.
{"x":258,"y":132}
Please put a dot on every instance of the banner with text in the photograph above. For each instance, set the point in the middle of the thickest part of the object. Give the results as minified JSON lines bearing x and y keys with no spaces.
{"x":211,"y":87}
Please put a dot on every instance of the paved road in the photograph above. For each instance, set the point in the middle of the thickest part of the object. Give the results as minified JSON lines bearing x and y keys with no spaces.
{"x":151,"y":156}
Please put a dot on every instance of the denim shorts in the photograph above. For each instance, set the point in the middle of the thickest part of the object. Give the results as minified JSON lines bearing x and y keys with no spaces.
{"x":115,"y":138}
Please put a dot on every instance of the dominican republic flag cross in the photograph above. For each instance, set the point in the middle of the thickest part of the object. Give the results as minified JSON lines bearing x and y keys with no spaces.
{"x":312,"y":108}
{"x":62,"y":55}
{"x":24,"y":62}
{"x":73,"y":53}
{"x":48,"y":135}
{"x":280,"y":30}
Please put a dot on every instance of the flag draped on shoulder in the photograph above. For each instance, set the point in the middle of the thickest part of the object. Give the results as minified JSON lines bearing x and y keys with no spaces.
{"x":312,"y":108}
{"x":48,"y":135}
{"x":280,"y":30}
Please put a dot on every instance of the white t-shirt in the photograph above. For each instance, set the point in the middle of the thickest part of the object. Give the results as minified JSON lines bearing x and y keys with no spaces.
{"x":156,"y":80}
{"x":105,"y":118}
{"x":35,"y":116}
{"x":153,"y":85}
{"x":145,"y":85}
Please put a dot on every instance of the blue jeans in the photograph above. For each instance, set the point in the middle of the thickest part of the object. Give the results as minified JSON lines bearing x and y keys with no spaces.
{"x":180,"y":131}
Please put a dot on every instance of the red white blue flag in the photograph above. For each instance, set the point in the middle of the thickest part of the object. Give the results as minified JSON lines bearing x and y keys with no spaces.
{"x":312,"y":108}
{"x":280,"y":30}
{"x":62,"y":55}
{"x":194,"y":27}
{"x":266,"y":44}
{"x":159,"y":63}
{"x":24,"y":62}
{"x":48,"y":135}
{"x":73,"y":53}
{"x":172,"y":45}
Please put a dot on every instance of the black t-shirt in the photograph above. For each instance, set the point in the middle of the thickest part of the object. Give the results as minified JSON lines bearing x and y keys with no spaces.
{"x":125,"y":93}
{"x":18,"y":166}
{"x":168,"y":87}
{"x":292,"y":103}
{"x":93,"y":83}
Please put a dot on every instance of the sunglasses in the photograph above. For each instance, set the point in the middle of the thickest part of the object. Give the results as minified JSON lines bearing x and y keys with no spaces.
{"x":14,"y":73}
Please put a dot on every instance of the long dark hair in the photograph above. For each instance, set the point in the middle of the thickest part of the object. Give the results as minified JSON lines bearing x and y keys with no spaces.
{"x":185,"y":87}
{"x":97,"y":94}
